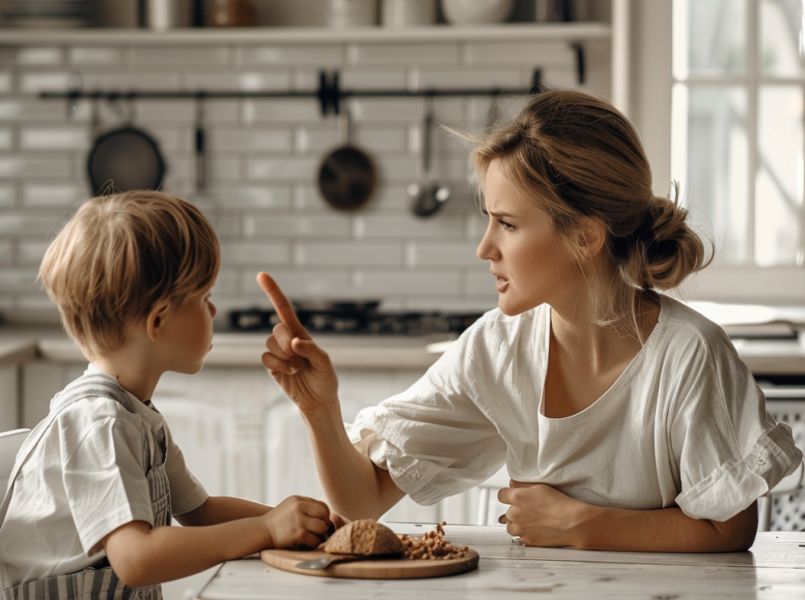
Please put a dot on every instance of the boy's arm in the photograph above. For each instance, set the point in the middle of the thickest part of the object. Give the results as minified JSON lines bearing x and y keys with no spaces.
{"x":220,"y":509}
{"x":142,"y":555}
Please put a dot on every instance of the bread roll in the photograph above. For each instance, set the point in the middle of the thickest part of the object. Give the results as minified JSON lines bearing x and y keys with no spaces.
{"x":365,"y":537}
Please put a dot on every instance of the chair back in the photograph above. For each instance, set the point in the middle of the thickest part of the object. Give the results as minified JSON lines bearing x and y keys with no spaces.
{"x":10,"y":442}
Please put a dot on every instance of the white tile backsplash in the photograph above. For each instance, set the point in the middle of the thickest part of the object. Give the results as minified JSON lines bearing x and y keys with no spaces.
{"x":404,"y":54}
{"x":54,"y":138}
{"x":6,"y":195}
{"x":345,"y":254}
{"x":314,"y":56}
{"x":63,"y":194}
{"x":31,"y":252}
{"x":91,"y":56}
{"x":181,"y":57}
{"x":39,"y":56}
{"x":6,"y":249}
{"x":14,"y":166}
{"x":263,"y":155}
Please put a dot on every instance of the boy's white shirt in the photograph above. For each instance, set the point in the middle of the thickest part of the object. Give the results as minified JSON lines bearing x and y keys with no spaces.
{"x":685,"y":423}
{"x":83,"y":480}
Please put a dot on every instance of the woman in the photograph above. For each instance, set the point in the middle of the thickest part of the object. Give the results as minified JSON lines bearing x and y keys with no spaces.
{"x":625,"y":419}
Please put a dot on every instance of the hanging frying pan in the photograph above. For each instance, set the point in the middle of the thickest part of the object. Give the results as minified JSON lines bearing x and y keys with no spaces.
{"x":124,"y":158}
{"x":347,"y":175}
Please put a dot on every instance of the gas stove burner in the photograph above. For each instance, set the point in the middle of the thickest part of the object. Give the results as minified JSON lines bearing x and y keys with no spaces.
{"x":357,"y":318}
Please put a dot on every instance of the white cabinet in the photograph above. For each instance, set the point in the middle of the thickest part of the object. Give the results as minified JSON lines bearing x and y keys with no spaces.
{"x":241,"y":436}
{"x":9,"y":398}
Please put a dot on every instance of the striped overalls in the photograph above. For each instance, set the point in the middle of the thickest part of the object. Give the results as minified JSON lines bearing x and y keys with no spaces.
{"x":98,"y":582}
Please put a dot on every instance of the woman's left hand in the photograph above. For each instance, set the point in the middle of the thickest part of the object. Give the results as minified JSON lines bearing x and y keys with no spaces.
{"x":541,"y":515}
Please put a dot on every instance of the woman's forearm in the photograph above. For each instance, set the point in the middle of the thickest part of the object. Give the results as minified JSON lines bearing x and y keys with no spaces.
{"x":354,"y":486}
{"x":664,"y":530}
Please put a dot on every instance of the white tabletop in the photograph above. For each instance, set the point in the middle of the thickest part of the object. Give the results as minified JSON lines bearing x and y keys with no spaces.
{"x":773,"y":568}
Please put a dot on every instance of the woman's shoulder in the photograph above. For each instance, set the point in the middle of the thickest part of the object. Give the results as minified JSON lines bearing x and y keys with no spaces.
{"x":686,"y":330}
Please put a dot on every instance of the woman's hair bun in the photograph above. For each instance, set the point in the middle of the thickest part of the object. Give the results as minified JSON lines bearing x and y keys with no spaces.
{"x":667,"y":250}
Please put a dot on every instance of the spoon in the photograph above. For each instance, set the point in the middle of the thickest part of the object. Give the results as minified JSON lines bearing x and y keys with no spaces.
{"x":325,"y":561}
{"x":427,"y":196}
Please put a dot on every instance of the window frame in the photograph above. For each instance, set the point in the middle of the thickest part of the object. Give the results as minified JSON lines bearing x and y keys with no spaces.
{"x":748,"y":282}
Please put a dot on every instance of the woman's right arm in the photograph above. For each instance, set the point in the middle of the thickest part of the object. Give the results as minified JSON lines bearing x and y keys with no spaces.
{"x":354,"y":486}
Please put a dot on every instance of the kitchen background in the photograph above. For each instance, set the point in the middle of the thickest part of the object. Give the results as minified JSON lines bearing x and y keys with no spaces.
{"x":262,"y":155}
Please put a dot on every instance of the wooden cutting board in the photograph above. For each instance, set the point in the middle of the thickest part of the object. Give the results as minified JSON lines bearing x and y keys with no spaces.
{"x":394,"y":568}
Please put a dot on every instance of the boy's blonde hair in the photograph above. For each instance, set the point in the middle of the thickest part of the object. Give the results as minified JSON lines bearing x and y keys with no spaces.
{"x":121,"y":254}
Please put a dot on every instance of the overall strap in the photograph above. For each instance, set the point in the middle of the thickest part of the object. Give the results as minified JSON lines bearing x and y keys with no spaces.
{"x":85,"y":386}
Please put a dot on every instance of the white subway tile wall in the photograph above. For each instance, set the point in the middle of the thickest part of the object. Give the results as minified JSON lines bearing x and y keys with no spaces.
{"x":262,"y":159}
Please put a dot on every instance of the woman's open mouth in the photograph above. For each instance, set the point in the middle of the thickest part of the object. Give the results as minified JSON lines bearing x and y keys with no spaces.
{"x":501,"y":284}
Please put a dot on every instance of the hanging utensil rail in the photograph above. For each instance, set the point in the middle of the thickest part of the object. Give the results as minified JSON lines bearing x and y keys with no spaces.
{"x":329,"y":93}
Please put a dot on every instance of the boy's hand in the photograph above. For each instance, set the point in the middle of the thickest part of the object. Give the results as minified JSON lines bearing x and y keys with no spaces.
{"x":297,"y":521}
{"x":299,"y":366}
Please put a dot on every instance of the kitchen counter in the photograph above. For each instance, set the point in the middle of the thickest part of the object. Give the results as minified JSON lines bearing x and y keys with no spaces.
{"x":773,"y":568}
{"x":18,"y":344}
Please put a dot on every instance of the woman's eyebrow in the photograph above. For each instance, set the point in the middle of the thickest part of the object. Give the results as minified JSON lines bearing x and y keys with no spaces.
{"x":497,"y":214}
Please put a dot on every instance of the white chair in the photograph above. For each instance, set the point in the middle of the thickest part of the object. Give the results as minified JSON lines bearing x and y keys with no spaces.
{"x":788,"y":485}
{"x":10,"y":442}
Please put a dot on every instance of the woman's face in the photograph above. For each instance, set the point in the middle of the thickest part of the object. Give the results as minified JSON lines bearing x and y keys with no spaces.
{"x":528,"y":258}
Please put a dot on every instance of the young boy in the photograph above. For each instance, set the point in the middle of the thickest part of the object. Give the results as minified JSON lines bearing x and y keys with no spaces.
{"x":88,"y":511}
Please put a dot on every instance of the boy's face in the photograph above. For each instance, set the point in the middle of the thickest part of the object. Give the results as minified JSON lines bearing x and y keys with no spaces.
{"x":188,"y":332}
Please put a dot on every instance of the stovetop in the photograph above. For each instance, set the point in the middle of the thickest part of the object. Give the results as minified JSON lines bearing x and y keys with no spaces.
{"x":358,"y":318}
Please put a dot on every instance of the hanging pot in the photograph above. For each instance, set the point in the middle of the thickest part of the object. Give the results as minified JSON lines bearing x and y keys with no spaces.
{"x":347,"y":176}
{"x":123,"y":158}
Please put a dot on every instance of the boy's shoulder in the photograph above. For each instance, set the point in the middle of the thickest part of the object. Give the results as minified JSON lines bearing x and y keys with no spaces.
{"x":90,"y":398}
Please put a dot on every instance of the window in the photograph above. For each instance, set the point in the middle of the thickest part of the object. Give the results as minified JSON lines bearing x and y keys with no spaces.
{"x":738,"y":91}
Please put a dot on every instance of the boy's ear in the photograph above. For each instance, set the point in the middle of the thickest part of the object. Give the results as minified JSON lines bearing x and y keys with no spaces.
{"x":591,"y":237}
{"x":155,"y":321}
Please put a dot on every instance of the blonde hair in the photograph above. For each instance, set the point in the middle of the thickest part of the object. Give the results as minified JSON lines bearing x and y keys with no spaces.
{"x":121,"y":254}
{"x":580,"y":158}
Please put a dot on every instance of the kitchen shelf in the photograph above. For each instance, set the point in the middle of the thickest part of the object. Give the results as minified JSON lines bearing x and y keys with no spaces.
{"x":515,"y":32}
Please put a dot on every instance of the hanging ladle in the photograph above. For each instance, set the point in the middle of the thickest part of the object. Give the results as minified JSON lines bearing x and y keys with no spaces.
{"x":427,"y":196}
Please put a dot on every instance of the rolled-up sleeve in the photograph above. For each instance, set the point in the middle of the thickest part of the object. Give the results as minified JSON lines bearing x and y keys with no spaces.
{"x":730,"y":450}
{"x":432,"y":438}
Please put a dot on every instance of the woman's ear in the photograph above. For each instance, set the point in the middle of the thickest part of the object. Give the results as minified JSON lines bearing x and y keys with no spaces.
{"x":155,"y":321}
{"x":592,"y":237}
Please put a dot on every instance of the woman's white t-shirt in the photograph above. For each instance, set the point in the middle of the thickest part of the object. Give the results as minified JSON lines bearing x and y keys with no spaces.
{"x":685,"y":423}
{"x":84,"y":479}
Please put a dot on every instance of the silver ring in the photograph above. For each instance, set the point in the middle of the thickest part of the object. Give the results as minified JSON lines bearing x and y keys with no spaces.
{"x":516,"y":540}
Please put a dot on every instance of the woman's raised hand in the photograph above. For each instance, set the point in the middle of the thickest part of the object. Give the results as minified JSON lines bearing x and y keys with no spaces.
{"x":298,"y":365}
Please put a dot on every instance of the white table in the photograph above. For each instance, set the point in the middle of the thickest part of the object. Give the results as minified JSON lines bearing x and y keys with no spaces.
{"x":773,"y":568}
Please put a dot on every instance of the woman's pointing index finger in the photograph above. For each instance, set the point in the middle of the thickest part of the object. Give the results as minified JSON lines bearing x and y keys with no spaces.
{"x":282,"y":305}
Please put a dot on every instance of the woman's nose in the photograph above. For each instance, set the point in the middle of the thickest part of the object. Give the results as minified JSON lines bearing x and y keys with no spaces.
{"x":213,"y":310}
{"x":484,"y":248}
